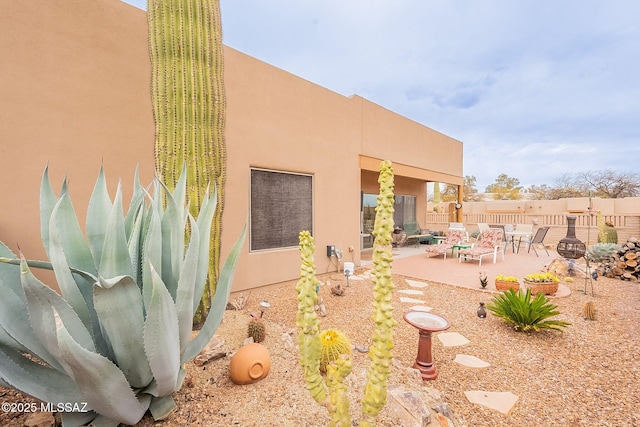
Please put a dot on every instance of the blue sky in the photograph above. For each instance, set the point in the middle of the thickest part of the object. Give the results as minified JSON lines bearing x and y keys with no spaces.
{"x":533,"y":88}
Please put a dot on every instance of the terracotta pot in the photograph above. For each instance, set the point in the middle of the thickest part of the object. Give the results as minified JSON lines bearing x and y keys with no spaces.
{"x":504,"y":286}
{"x":251,"y":363}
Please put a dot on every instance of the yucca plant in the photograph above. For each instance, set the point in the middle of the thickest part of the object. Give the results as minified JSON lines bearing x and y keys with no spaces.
{"x":524,"y":313}
{"x":116,"y":340}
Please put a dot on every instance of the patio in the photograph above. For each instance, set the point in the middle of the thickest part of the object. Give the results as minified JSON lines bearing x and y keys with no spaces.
{"x":413,"y":262}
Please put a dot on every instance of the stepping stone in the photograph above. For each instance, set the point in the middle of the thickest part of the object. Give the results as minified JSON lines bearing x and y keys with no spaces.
{"x":498,"y":401}
{"x":452,"y":339}
{"x":416,"y":284}
{"x":410,"y":300}
{"x":470,"y":361}
{"x":420,"y":308}
{"x":411,"y":292}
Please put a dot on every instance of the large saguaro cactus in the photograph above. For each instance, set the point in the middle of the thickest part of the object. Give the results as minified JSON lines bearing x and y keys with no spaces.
{"x":185,"y":38}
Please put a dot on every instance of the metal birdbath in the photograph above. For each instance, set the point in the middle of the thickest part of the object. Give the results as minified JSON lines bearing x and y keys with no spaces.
{"x":426,"y":323}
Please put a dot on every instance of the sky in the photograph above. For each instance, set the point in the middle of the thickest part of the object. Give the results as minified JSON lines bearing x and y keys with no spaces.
{"x":533,"y":88}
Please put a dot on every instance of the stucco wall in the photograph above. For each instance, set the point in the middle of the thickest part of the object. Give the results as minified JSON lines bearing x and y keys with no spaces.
{"x":76,"y":93}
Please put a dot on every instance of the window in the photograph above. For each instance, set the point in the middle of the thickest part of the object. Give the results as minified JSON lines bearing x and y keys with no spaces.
{"x":404,"y":210}
{"x":281,"y":207}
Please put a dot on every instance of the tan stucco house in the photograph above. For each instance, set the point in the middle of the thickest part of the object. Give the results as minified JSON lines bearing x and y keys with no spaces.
{"x":75,"y":93}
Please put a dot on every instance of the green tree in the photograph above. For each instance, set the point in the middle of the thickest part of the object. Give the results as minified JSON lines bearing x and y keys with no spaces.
{"x":505,"y":188}
{"x":469,"y":190}
{"x":185,"y":43}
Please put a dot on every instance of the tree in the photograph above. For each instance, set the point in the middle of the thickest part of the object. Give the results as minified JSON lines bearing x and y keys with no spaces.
{"x":450,"y":193}
{"x":505,"y":188}
{"x":541,"y":192}
{"x":187,"y":87}
{"x":612,"y":184}
{"x":469,"y":190}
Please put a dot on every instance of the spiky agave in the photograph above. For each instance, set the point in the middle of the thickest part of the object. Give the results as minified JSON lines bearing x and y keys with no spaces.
{"x":120,"y":332}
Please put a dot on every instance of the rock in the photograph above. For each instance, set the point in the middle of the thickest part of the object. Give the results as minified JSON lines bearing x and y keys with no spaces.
{"x":40,"y":419}
{"x":409,"y":407}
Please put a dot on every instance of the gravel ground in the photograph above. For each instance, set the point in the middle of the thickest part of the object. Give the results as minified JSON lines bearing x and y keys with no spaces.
{"x":586,"y":376}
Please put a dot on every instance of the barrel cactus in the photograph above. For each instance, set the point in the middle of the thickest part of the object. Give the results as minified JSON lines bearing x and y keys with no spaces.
{"x":120,"y":332}
{"x":606,"y":230}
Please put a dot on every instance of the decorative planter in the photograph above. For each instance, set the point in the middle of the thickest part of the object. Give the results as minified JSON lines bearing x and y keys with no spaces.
{"x":504,"y":286}
{"x":542,"y":287}
{"x":251,"y":363}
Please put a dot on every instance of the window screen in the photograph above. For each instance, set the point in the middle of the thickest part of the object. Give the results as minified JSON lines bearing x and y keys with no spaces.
{"x":281,"y":207}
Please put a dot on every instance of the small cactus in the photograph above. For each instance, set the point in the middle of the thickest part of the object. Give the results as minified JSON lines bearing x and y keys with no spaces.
{"x":589,"y":311}
{"x":256,"y":329}
{"x":606,"y":231}
{"x":334,"y":345}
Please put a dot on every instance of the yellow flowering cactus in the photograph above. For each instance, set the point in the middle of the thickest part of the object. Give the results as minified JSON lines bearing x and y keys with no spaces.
{"x":541,"y":278}
{"x":332,"y":393}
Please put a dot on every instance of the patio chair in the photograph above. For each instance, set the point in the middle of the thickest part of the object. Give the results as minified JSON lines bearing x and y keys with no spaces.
{"x":490,"y":244}
{"x":538,"y":239}
{"x":453,"y":237}
{"x":415,"y":234}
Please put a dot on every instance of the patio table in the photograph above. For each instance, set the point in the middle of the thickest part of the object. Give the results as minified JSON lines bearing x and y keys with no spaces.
{"x":458,"y":247}
{"x":511,"y":237}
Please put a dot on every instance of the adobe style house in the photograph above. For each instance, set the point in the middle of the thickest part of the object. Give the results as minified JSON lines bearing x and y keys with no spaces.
{"x":75,"y":93}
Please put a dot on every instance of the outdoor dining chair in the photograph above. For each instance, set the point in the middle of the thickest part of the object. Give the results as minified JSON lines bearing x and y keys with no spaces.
{"x":538,"y":239}
{"x":490,"y":243}
{"x":452,"y":237}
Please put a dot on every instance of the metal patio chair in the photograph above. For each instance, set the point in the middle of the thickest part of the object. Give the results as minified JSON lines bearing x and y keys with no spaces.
{"x":538,"y":239}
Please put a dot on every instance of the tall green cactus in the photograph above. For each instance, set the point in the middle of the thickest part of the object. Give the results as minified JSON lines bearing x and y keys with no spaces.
{"x":185,"y":38}
{"x":375,"y":395}
{"x":333,"y":393}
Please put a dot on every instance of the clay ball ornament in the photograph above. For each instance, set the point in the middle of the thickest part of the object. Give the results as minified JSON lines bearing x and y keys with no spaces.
{"x":249,"y":364}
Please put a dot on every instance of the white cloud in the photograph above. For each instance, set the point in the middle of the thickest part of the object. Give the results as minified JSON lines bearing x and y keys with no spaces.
{"x":534,"y":88}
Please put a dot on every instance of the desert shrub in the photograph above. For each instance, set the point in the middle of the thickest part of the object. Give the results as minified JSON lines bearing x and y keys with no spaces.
{"x":524,"y":313}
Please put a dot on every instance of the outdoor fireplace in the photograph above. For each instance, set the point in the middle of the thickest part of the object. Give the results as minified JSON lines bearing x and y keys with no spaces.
{"x":571,"y":247}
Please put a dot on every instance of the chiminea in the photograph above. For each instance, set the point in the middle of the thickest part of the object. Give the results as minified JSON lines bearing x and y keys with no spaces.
{"x":571,"y":247}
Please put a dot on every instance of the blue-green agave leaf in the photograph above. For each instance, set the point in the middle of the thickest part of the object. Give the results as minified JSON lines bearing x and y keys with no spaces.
{"x":77,"y":419}
{"x":69,"y":288}
{"x":186,"y":284}
{"x":115,"y":259}
{"x":102,"y":384}
{"x":134,"y":243}
{"x":205,"y":217}
{"x":161,"y":337}
{"x":40,"y":301}
{"x":9,"y":274}
{"x":48,"y":199}
{"x":173,"y":237}
{"x":152,"y":254}
{"x":98,"y":215}
{"x":35,"y":379}
{"x":118,"y":303}
{"x":137,"y":200}
{"x":219,"y":303}
{"x":162,"y":407}
{"x":14,"y":319}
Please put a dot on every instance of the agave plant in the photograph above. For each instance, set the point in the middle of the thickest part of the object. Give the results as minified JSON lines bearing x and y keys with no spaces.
{"x":525,"y":314}
{"x":115,"y":342}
